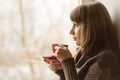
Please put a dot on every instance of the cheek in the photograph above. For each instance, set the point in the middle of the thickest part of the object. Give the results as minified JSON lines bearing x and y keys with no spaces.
{"x":77,"y":34}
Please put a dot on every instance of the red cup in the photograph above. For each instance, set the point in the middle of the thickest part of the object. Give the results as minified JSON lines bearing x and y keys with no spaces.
{"x":54,"y":45}
{"x":52,"y":58}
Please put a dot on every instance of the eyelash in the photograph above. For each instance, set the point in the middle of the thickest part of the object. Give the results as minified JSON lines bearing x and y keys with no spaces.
{"x":76,"y":25}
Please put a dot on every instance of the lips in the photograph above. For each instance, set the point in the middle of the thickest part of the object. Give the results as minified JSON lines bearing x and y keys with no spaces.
{"x":74,"y":38}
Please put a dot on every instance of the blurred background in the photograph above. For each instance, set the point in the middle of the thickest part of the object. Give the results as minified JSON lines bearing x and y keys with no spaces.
{"x":27,"y":30}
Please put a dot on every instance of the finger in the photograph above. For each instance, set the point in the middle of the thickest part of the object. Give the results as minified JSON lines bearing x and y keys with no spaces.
{"x":55,"y":54}
{"x":57,"y":47}
{"x":51,"y":67}
{"x":55,"y":62}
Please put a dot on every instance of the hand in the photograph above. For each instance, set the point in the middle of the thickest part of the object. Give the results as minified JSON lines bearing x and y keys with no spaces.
{"x":55,"y":65}
{"x":62,"y":53}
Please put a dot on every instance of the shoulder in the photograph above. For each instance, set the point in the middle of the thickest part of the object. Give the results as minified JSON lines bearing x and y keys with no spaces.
{"x":107,"y":58}
{"x":106,"y":53}
{"x":106,"y":66}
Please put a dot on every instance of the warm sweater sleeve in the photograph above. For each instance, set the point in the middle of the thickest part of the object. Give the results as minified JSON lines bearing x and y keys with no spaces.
{"x":69,"y":69}
{"x":60,"y":73}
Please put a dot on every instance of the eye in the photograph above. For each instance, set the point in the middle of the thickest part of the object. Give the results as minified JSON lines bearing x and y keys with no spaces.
{"x":75,"y":25}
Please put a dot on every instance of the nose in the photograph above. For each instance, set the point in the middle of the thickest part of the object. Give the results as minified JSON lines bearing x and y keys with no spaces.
{"x":72,"y":32}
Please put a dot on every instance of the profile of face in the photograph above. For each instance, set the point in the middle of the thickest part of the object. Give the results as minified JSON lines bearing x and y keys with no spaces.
{"x":92,"y":26}
{"x":76,"y":32}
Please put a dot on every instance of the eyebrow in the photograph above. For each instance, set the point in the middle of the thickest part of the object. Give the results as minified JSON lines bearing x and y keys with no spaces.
{"x":75,"y":23}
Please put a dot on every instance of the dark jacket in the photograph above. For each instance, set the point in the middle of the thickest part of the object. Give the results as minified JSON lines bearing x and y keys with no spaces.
{"x":104,"y":65}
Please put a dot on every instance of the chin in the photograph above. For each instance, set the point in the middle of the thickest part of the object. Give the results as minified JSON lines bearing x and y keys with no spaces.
{"x":78,"y":44}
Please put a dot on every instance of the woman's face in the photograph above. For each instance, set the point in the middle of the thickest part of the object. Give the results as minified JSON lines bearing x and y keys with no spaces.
{"x":76,"y":32}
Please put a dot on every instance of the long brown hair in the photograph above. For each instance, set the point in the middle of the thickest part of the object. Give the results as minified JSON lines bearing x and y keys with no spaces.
{"x":98,"y":29}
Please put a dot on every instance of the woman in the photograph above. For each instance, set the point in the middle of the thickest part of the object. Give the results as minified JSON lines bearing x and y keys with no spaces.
{"x":98,"y":56}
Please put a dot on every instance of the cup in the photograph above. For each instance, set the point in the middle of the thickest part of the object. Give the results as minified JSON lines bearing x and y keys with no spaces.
{"x":54,"y":45}
{"x":52,"y":58}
